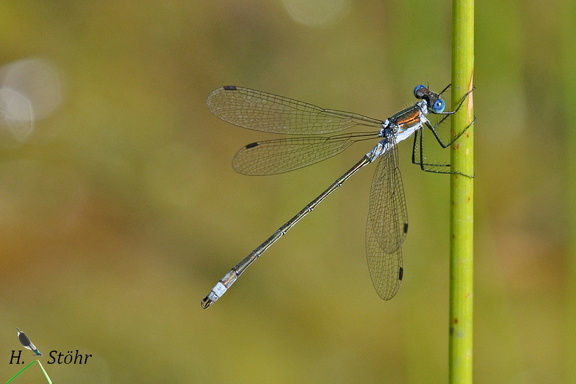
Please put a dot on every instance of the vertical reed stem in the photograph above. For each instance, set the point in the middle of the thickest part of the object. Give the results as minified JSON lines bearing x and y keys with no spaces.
{"x":462,"y":197}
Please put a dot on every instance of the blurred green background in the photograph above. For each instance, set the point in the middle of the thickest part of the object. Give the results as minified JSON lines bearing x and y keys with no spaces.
{"x":119,"y":209}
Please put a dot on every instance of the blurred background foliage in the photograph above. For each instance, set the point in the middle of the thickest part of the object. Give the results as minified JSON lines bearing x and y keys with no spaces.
{"x":119,"y":209}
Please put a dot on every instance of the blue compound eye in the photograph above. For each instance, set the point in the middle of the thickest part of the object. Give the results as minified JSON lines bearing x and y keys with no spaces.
{"x":438,"y":106}
{"x":420,"y":91}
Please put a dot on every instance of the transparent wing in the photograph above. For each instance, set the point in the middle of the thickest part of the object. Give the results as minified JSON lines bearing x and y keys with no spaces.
{"x":267,"y":112}
{"x":387,"y":226}
{"x":283,"y":155}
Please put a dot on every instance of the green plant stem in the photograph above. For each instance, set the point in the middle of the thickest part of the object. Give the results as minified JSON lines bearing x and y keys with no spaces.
{"x":21,"y":371}
{"x":462,"y":197}
{"x":28,"y":366}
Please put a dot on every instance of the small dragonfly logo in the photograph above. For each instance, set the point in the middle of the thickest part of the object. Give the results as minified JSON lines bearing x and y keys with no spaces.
{"x":26,"y":343}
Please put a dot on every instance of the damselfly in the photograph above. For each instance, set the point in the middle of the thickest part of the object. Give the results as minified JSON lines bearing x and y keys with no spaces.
{"x":26,"y":343}
{"x":387,"y":217}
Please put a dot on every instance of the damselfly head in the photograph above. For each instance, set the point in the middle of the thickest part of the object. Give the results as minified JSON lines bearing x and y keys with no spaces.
{"x":435,"y":103}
